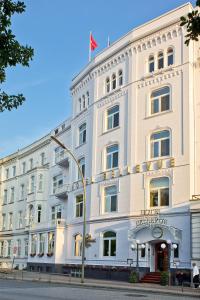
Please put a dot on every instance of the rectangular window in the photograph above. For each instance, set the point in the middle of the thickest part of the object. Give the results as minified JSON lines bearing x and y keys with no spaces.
{"x":57,"y":183}
{"x":82,"y":134}
{"x":32,"y":184}
{"x":33,"y":243}
{"x":14,"y":171}
{"x":79,"y":206}
{"x":20,"y":219}
{"x":176,"y":251}
{"x":160,"y":100}
{"x":10,"y":223}
{"x":113,"y":117}
{"x":110,"y":199}
{"x":56,"y":213}
{"x":82,"y":166}
{"x":51,"y":242}
{"x":19,"y":247}
{"x":9,"y":242}
{"x":7,"y":173}
{"x":22,"y":192}
{"x":112,"y":153}
{"x":41,"y":243}
{"x":2,"y":248}
{"x":24,"y":167}
{"x":26,"y":243}
{"x":12,"y":195}
{"x":5,"y":197}
{"x":42,"y":158}
{"x":3,"y":221}
{"x":30,"y":164}
{"x":159,"y":192}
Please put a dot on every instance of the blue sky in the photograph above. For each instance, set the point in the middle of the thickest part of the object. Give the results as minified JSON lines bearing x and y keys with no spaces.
{"x":59,"y":33}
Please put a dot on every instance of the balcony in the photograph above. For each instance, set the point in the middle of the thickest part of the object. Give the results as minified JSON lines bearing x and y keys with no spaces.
{"x":62,"y":159}
{"x":62,"y":191}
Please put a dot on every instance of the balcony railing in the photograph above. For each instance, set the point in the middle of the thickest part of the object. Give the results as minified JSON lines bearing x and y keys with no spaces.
{"x":62,"y":159}
{"x":62,"y":191}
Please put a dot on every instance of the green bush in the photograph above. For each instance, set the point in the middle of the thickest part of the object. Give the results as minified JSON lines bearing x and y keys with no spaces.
{"x":164,"y":279}
{"x":133,"y":277}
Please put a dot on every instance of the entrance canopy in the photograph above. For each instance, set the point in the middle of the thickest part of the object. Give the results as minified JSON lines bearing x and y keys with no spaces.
{"x":147,"y":233}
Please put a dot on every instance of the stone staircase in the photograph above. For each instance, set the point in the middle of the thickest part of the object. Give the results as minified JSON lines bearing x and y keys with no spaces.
{"x":152,"y":277}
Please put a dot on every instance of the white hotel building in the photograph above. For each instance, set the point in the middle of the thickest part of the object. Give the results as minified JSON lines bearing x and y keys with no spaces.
{"x":135,"y":130}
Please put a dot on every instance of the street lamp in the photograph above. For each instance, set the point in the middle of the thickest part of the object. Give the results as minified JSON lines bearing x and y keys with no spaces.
{"x":137,"y":253}
{"x":84,"y":204}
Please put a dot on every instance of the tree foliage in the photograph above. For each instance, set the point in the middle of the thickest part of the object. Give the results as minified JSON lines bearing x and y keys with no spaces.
{"x":192,"y":23}
{"x":11,"y":52}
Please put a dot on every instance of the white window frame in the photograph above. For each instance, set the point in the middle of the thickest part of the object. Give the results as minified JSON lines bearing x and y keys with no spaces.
{"x":109,"y":198}
{"x":151,"y":60}
{"x":170,"y":53}
{"x":79,"y":206}
{"x":159,"y":58}
{"x":82,"y":134}
{"x":159,"y":141}
{"x":111,"y":154}
{"x":154,"y":98}
{"x":81,"y":162}
{"x":77,"y":245}
{"x":109,"y":239}
{"x":112,"y":117}
{"x":159,"y":189}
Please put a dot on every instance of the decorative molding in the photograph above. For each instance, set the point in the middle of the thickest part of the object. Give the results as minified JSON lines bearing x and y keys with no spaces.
{"x":108,"y":99}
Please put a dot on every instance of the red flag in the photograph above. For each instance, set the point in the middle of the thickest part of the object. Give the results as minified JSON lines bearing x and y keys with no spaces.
{"x":93,"y":43}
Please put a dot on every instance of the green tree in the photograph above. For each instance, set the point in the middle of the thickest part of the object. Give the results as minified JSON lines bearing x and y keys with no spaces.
{"x":11,"y":52}
{"x":192,"y":22}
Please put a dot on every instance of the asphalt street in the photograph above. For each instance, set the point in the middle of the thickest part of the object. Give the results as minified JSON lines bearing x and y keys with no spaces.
{"x":21,"y":290}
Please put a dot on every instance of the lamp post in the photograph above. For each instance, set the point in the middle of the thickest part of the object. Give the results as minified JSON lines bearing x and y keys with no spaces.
{"x":137,"y":254}
{"x":171,"y":247}
{"x":84,"y":203}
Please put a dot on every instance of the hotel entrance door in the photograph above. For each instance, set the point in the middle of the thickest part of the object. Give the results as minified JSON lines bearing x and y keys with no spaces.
{"x":161,"y":257}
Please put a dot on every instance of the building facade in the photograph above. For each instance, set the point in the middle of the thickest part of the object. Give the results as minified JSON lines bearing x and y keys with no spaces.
{"x":135,"y":130}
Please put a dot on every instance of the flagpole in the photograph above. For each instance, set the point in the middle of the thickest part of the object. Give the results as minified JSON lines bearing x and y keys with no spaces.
{"x":90,"y":47}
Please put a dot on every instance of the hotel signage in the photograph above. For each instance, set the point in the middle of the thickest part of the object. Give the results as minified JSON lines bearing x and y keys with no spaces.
{"x":150,"y":217}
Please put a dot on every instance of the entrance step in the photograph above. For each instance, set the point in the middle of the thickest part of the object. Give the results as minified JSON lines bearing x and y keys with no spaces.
{"x":152,"y":277}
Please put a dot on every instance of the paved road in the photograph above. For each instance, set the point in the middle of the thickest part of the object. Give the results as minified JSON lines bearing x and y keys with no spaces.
{"x":17,"y":290}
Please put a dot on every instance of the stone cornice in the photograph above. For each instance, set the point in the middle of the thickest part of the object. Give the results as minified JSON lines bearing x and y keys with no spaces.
{"x":158,"y":36}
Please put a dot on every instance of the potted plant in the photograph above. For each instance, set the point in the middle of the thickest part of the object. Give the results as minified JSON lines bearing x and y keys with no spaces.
{"x":133,"y":277}
{"x":32,"y":254}
{"x":164,"y":279}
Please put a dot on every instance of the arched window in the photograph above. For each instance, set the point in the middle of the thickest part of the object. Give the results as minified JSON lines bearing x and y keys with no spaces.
{"x":88,"y":98}
{"x":107,"y":85}
{"x":151,"y":63}
{"x":170,"y":57}
{"x":112,"y":156}
{"x":120,"y":77}
{"x":79,"y":101}
{"x":83,"y":97}
{"x":109,"y":243}
{"x":77,"y":245}
{"x":113,"y":117}
{"x":114,"y":82}
{"x":160,"y":60}
{"x":159,"y":192}
{"x":160,"y":100}
{"x":160,"y":144}
{"x":31,"y":215}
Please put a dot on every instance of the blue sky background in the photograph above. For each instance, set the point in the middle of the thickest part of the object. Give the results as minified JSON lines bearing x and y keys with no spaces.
{"x":59,"y":33}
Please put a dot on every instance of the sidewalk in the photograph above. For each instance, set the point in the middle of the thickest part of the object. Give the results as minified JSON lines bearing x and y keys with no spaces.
{"x":102,"y":284}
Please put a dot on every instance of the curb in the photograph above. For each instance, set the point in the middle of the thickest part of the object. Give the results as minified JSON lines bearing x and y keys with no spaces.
{"x":130,"y":289}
